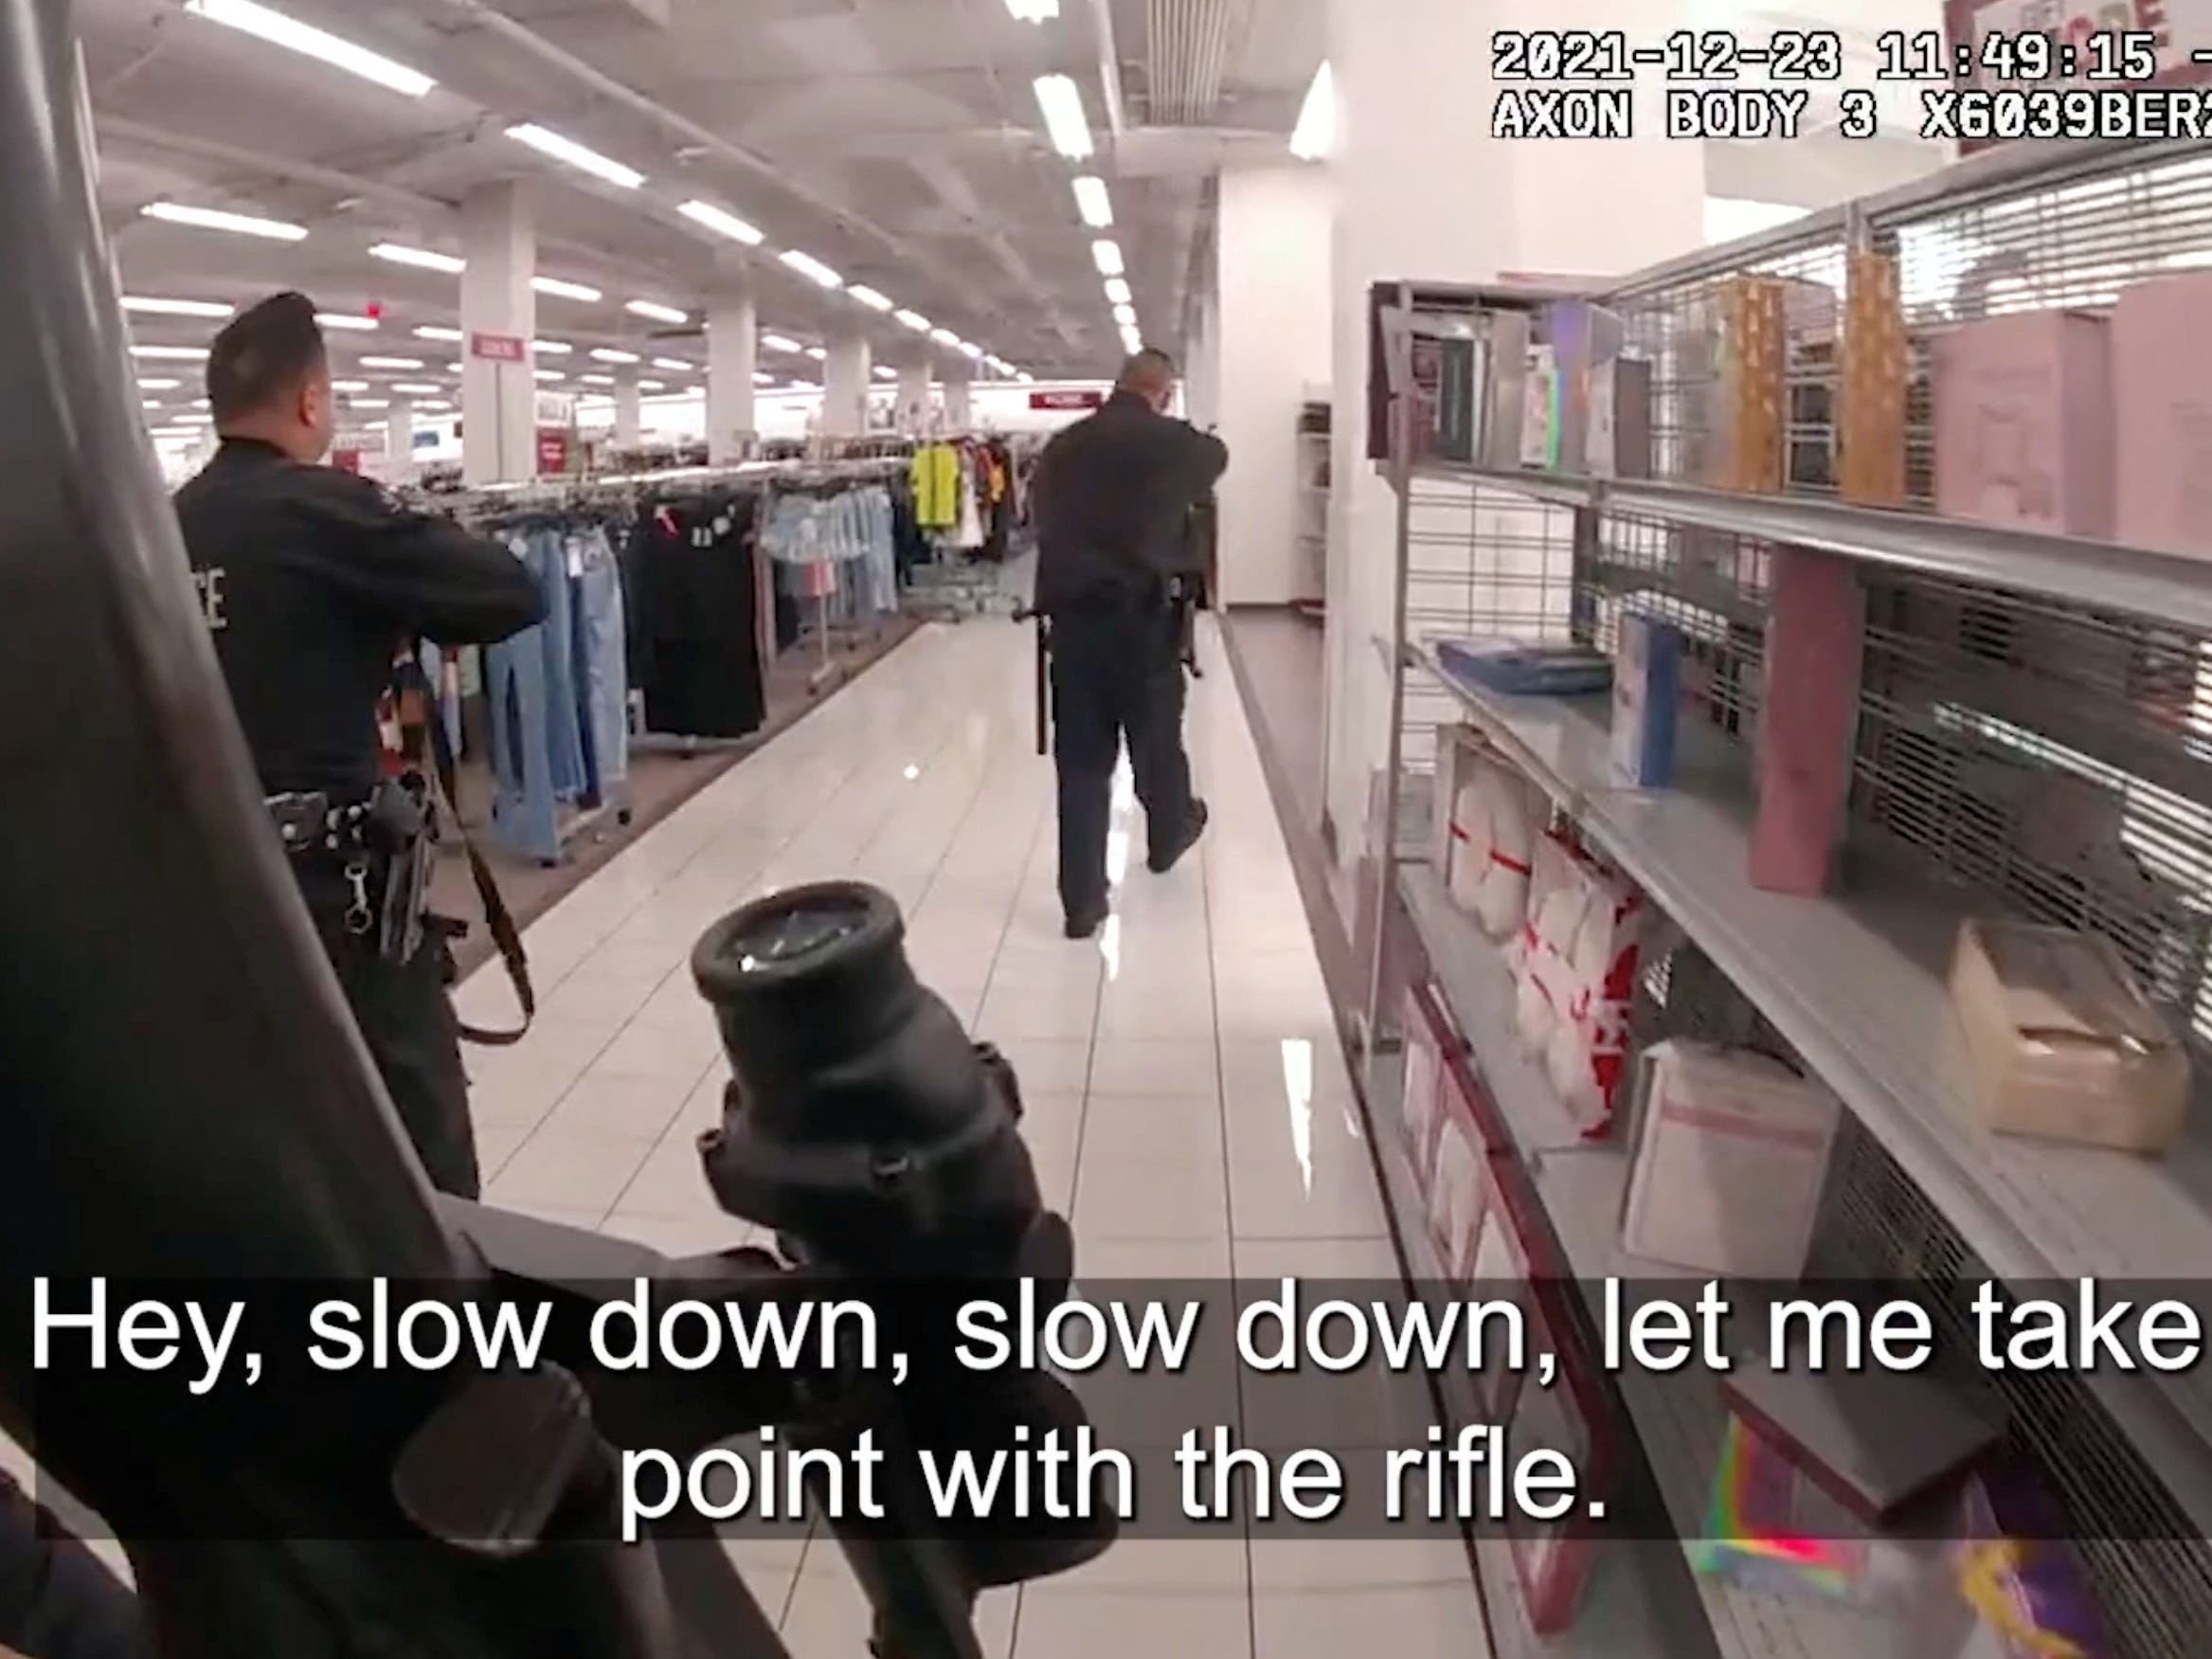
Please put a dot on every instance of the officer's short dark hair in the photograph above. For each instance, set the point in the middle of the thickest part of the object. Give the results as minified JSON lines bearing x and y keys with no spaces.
{"x":1147,"y":369}
{"x":263,"y":355}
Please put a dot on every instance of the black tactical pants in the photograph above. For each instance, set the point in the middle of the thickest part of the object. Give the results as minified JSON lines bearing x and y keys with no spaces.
{"x":405,"y":1013}
{"x":1117,"y":677}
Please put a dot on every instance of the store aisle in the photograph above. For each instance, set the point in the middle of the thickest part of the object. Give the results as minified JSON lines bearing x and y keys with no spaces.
{"x":1186,"y":1096}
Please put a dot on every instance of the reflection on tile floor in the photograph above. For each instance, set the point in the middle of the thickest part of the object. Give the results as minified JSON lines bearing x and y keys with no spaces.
{"x":1184,"y":1091}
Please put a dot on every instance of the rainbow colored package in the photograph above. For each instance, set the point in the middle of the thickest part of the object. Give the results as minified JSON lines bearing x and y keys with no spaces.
{"x":2025,"y":1583}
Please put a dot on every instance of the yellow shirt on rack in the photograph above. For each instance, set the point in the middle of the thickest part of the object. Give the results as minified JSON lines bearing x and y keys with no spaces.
{"x":935,"y":476}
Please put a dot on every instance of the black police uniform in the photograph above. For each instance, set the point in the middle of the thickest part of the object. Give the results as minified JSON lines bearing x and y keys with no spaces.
{"x":1113,"y":498}
{"x":310,"y":579}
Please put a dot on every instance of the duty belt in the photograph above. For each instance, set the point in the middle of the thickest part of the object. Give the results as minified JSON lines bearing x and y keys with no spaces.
{"x":383,"y":840}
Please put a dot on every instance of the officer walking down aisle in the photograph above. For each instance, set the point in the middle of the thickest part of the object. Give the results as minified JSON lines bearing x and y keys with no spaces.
{"x":311,"y":579}
{"x":1114,"y":495}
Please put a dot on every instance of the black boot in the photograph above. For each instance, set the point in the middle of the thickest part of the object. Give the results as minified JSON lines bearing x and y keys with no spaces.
{"x":1165,"y":858}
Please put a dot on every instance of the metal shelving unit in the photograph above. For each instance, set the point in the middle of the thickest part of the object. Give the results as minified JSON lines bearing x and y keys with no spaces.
{"x":1999,"y":667}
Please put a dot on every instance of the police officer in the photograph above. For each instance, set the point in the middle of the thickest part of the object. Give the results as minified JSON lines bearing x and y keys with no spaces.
{"x":1113,"y":498}
{"x":311,"y":579}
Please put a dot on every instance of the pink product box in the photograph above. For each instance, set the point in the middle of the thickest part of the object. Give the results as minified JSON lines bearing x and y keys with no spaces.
{"x":1808,"y":720}
{"x":2162,"y":385}
{"x":2024,"y":421}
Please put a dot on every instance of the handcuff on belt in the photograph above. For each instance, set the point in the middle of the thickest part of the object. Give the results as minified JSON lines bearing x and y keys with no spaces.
{"x":307,"y":823}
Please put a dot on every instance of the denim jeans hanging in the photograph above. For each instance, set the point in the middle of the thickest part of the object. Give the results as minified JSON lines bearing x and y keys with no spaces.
{"x":603,"y":680}
{"x":546,"y":552}
{"x":523,"y":813}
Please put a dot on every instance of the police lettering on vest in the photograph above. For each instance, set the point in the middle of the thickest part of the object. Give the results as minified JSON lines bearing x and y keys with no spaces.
{"x":208,"y":584}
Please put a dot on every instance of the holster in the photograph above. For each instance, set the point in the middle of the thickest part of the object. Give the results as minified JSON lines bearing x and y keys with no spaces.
{"x":401,"y":830}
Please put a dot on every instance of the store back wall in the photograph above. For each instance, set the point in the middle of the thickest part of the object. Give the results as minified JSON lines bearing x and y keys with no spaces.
{"x":1272,"y":341}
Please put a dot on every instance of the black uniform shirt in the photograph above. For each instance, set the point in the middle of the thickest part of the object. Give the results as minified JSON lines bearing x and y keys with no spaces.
{"x":1112,"y":500}
{"x":311,"y":579}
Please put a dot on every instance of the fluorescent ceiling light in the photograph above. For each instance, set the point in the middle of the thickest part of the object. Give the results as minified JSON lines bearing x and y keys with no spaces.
{"x":968,"y":347}
{"x":721,"y":223}
{"x":596,"y":379}
{"x":214,"y":219}
{"x":456,"y":369}
{"x":817,"y":353}
{"x":338,"y":320}
{"x":289,"y":33}
{"x":552,"y":348}
{"x":200,"y":404}
{"x":1033,"y":10}
{"x":176,"y":307}
{"x":761,"y":379}
{"x":885,"y":371}
{"x":915,"y":320}
{"x":149,"y":402}
{"x":658,"y":313}
{"x":576,"y":156}
{"x":652,"y":386}
{"x":781,"y":343}
{"x":1061,"y":102}
{"x":1316,"y":134}
{"x":806,"y":385}
{"x":1025,"y":377}
{"x":1125,"y":315}
{"x":811,"y":268}
{"x":1118,"y":290}
{"x":398,"y":254}
{"x":349,"y":385}
{"x":944,"y":336}
{"x":1109,"y":255}
{"x":391,"y":362}
{"x":171,"y":353}
{"x":369,"y":404}
{"x":1132,"y":340}
{"x":609,"y":354}
{"x":431,"y":409}
{"x":870,"y":297}
{"x":548,"y":375}
{"x":677,"y":364}
{"x":159,"y":384}
{"x":431,"y":332}
{"x":566,"y":290}
{"x":415,"y":388}
{"x":1092,"y":202}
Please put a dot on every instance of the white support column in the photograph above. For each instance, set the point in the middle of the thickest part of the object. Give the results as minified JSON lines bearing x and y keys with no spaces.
{"x":1413,"y":87}
{"x":1265,"y":337}
{"x":732,"y":354}
{"x":629,"y":410}
{"x":399,"y":440}
{"x":959,"y":401}
{"x":845,"y":376}
{"x":914,"y":396}
{"x":498,"y":399}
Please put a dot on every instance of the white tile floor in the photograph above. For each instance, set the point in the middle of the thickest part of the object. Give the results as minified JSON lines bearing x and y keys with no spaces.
{"x":1184,"y":1091}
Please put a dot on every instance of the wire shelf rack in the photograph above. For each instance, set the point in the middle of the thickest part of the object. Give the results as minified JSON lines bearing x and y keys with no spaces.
{"x":2034,"y":731}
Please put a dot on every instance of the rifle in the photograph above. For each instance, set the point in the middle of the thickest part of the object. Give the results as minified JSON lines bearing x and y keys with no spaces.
{"x":1044,"y":622}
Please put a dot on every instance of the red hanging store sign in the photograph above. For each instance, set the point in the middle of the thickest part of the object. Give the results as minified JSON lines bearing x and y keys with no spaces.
{"x":1066,"y":399}
{"x":552,"y":452}
{"x":497,"y":348}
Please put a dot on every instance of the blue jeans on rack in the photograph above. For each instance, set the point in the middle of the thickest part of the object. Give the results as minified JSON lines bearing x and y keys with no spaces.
{"x":522,"y":768}
{"x":603,"y":680}
{"x":546,"y":551}
{"x":433,"y":661}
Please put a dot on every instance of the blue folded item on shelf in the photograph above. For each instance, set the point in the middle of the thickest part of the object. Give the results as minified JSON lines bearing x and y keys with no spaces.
{"x":1520,"y":668}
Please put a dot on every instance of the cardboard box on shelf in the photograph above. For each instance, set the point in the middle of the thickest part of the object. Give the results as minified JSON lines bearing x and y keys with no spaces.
{"x":1809,"y":719}
{"x":1586,"y":340}
{"x":1539,"y":413}
{"x":1647,"y":689}
{"x":2060,"y":1040}
{"x":1731,"y":1151}
{"x":1753,"y":361}
{"x":1619,"y":441}
{"x":1512,"y":341}
{"x":2024,"y":423}
{"x":2162,"y":398}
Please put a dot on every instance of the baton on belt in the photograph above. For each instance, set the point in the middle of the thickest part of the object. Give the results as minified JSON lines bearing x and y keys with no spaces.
{"x":1044,"y":622}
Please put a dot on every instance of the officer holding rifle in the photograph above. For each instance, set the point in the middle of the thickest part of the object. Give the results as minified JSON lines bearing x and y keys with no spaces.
{"x":310,"y":581}
{"x":1115,"y":587}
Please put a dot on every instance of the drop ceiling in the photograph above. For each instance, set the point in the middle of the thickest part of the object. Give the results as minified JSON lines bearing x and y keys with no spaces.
{"x":898,"y":141}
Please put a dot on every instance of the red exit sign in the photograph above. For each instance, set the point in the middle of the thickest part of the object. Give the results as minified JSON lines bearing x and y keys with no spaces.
{"x":1066,"y":399}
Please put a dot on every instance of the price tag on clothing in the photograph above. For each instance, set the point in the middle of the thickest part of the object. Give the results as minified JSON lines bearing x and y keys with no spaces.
{"x":722,"y":527}
{"x":575,"y":555}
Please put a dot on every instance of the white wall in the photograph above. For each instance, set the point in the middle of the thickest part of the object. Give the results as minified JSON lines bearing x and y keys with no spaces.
{"x":1272,"y":339}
